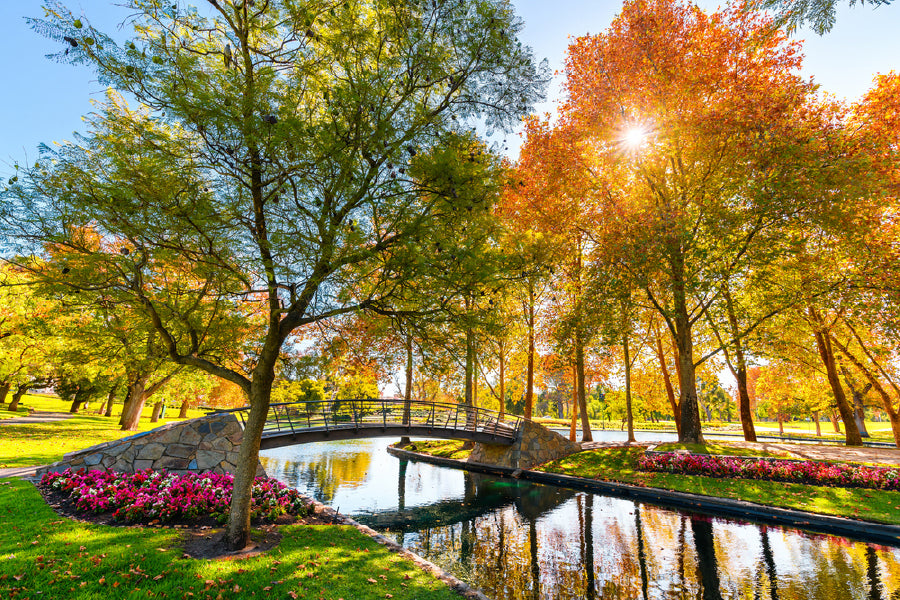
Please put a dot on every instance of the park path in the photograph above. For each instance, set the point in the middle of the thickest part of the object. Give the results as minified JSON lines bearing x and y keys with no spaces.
{"x":37,"y":416}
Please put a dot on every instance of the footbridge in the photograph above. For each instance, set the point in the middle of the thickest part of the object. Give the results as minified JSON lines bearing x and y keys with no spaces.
{"x":211,"y":443}
{"x":292,"y":423}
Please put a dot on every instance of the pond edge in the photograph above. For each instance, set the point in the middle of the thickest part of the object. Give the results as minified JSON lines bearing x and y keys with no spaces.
{"x":461,"y":587}
{"x":864,"y":531}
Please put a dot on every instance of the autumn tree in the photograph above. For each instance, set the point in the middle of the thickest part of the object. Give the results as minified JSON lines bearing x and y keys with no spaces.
{"x":270,"y":156}
{"x":704,"y":145}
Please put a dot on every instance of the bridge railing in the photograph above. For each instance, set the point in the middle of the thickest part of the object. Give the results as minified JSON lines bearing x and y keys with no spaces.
{"x":295,"y":417}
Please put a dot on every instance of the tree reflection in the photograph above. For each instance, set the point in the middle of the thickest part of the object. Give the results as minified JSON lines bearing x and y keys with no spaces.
{"x":873,"y":574}
{"x":769,"y":562}
{"x":535,"y":564}
{"x":707,"y":569}
{"x":642,"y":555}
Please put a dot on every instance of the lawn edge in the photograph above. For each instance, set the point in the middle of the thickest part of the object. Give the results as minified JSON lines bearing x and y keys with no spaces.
{"x":865,"y":531}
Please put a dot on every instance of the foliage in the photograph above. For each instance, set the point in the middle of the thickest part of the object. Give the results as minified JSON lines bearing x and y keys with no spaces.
{"x":158,"y":496}
{"x":819,"y":14}
{"x":807,"y":472}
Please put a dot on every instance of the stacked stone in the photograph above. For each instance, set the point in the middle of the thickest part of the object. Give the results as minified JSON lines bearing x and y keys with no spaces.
{"x":536,"y":445}
{"x":198,"y":445}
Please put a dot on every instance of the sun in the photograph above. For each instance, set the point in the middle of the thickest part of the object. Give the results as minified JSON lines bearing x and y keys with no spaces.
{"x":635,"y":137}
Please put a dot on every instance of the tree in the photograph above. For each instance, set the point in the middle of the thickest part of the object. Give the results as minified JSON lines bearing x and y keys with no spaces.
{"x":703,"y":147}
{"x":271,"y":161}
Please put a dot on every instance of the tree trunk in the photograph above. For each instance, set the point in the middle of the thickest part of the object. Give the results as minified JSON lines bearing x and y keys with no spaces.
{"x":818,"y":425}
{"x":182,"y":414}
{"x":823,"y":344}
{"x":833,"y":417}
{"x":781,"y":423}
{"x":740,"y":372}
{"x":134,"y":405}
{"x":17,"y":397}
{"x":407,"y":395}
{"x":4,"y":390}
{"x":237,"y":533}
{"x":109,"y":405}
{"x":628,"y":414}
{"x":157,"y":410}
{"x":109,"y":398}
{"x":857,"y":395}
{"x":691,"y":430}
{"x":573,"y":424}
{"x":77,"y":402}
{"x":529,"y":386}
{"x":502,"y":384}
{"x":670,"y":392}
{"x":474,"y":375}
{"x":582,"y":396}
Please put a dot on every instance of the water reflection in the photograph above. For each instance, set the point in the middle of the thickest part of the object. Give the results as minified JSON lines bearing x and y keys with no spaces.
{"x":517,"y":540}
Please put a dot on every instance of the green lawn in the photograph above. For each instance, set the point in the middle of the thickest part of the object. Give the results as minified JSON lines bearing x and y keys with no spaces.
{"x":31,"y":444}
{"x":43,"y":555}
{"x":443,"y":448}
{"x":619,"y":464}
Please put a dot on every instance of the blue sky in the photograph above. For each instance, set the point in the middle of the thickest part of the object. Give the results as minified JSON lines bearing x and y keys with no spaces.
{"x":43,"y":101}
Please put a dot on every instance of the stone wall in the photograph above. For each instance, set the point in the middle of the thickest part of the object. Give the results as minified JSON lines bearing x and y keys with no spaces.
{"x":536,"y":445}
{"x":198,"y":445}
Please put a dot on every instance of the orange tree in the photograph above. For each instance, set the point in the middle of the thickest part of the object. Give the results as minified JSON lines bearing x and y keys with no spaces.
{"x":270,"y":157}
{"x":696,"y":146}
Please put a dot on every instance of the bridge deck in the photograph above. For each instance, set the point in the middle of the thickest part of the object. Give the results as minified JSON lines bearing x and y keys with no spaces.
{"x":303,"y":422}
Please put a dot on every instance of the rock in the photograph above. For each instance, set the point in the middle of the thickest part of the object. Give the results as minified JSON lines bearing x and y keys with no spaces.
{"x":180,"y":450}
{"x":151,"y":451}
{"x":170,"y":462}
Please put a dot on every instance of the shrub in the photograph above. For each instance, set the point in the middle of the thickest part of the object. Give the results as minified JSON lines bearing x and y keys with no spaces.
{"x":150,"y":495}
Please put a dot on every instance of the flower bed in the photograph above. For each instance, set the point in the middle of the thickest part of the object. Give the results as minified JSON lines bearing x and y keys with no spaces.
{"x":150,"y":495}
{"x":809,"y":472}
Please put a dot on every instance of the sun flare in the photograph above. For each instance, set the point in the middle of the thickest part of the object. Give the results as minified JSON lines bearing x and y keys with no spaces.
{"x":635,"y":137}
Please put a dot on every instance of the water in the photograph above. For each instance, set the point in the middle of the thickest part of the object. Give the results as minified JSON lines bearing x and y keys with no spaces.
{"x":519,"y":540}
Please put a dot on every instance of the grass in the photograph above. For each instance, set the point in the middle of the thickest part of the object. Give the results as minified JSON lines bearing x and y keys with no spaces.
{"x":443,"y":448}
{"x":620,"y":464}
{"x":24,"y":445}
{"x":44,"y":555}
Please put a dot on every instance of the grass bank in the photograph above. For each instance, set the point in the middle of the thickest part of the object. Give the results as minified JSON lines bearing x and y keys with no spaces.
{"x":620,"y":465}
{"x":43,"y":555}
{"x":25,"y":445}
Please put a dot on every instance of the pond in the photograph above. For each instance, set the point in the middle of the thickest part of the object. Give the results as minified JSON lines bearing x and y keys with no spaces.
{"x":520,"y":540}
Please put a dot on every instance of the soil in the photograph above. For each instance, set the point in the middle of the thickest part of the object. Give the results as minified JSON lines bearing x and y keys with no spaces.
{"x":201,"y":539}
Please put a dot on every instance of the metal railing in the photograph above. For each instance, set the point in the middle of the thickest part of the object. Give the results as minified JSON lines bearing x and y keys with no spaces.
{"x":288,"y":418}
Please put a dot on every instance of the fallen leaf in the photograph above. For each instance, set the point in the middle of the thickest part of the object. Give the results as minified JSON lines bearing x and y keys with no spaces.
{"x":370,"y":580}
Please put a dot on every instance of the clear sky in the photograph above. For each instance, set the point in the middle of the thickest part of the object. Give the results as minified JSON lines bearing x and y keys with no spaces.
{"x":43,"y":101}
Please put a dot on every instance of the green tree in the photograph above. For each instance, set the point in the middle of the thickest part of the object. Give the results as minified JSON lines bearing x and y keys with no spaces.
{"x":270,"y":161}
{"x":819,"y":14}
